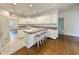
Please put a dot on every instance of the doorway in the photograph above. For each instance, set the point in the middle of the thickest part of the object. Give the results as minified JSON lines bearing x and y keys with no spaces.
{"x":61,"y":26}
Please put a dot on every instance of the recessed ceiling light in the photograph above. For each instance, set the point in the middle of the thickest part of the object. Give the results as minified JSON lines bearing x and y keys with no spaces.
{"x":14,"y":3}
{"x":30,"y":5}
{"x":34,"y":11}
{"x":39,"y":10}
{"x":11,"y":10}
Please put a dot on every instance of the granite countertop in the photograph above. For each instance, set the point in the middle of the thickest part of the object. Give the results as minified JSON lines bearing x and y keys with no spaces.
{"x":36,"y":27}
{"x":47,"y":27}
{"x":39,"y":24}
{"x":33,"y":30}
{"x":51,"y":26}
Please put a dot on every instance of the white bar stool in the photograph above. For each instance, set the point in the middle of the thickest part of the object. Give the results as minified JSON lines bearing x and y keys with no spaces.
{"x":37,"y":37}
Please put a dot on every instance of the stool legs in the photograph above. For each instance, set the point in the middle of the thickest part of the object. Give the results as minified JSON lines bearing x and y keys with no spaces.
{"x":38,"y":44}
{"x":42,"y":39}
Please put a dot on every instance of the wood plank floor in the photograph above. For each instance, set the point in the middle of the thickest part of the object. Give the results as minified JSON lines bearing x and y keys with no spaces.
{"x":63,"y":45}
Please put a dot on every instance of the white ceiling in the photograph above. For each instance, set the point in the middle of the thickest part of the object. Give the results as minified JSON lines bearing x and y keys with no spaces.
{"x":25,"y":9}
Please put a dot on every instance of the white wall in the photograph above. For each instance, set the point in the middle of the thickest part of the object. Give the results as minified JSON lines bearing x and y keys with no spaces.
{"x":71,"y":21}
{"x":4,"y":20}
{"x":4,"y":24}
{"x":4,"y":12}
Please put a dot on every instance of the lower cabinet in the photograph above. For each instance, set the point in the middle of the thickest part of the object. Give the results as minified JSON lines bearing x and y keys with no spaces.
{"x":20,"y":34}
{"x":29,"y":40}
{"x":52,"y":33}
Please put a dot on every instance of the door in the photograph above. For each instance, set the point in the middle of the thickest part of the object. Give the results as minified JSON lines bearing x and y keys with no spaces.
{"x":61,"y":25}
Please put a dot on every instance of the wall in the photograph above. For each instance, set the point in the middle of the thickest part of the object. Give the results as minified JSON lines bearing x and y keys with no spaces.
{"x":4,"y":24}
{"x":4,"y":12}
{"x":0,"y":36}
{"x":71,"y":21}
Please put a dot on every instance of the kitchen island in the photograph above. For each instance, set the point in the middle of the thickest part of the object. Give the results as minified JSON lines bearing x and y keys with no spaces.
{"x":34,"y":33}
{"x":33,"y":36}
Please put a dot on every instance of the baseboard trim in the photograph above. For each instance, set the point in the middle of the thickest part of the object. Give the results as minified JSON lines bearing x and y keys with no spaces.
{"x":72,"y":36}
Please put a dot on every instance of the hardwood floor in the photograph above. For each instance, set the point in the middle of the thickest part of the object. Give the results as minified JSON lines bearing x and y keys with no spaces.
{"x":63,"y":45}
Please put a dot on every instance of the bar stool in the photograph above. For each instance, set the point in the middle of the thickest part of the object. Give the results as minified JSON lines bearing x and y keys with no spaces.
{"x":41,"y":39}
{"x":37,"y":37}
{"x":45,"y":36}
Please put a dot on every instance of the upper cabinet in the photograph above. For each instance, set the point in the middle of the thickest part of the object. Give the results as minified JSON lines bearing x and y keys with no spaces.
{"x":53,"y":18}
{"x":44,"y":19}
{"x":48,"y":19}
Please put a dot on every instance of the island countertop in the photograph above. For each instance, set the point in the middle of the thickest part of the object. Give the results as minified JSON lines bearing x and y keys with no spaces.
{"x":48,"y":26}
{"x":33,"y":30}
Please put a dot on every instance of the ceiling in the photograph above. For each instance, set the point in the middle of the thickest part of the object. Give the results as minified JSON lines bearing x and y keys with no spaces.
{"x":32,"y":9}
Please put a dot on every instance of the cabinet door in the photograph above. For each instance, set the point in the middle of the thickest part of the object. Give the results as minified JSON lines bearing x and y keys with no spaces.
{"x":52,"y":33}
{"x":29,"y":40}
{"x":20,"y":34}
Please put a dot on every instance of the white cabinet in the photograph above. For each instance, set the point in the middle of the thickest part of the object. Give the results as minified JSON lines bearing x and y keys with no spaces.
{"x":20,"y":34}
{"x":29,"y":40}
{"x":53,"y":18}
{"x":52,"y":33}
